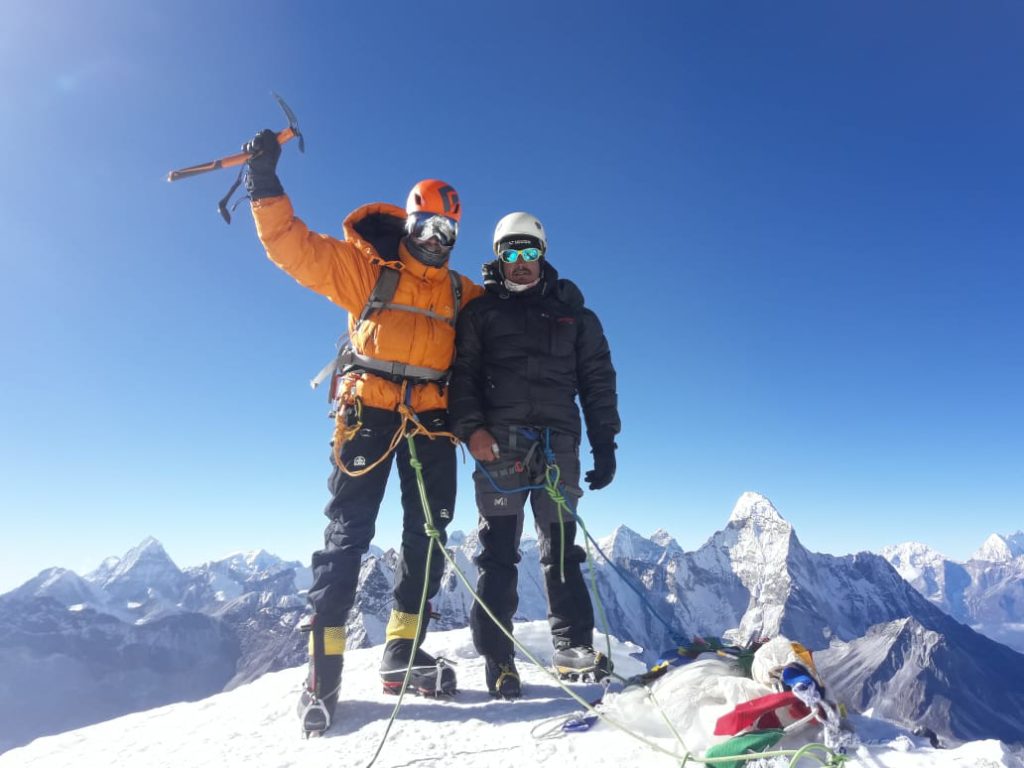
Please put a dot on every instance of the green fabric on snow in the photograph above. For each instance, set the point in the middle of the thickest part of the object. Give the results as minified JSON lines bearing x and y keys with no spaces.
{"x":747,"y":743}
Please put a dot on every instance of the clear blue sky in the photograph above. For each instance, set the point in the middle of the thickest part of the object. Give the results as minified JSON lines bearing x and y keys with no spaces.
{"x":801,"y":223}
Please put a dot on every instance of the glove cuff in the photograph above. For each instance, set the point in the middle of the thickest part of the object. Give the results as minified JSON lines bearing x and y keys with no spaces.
{"x":261,"y":185}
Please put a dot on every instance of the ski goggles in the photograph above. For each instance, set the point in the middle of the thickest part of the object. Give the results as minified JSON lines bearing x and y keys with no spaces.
{"x":511,"y":255}
{"x":423,"y":225}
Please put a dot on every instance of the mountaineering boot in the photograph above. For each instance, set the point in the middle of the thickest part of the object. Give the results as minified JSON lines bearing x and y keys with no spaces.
{"x":502,"y":679}
{"x":323,"y":681}
{"x":429,"y":676}
{"x":580,"y":662}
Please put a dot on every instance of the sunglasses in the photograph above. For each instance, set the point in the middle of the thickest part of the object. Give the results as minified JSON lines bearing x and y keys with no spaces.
{"x":511,"y":255}
{"x":423,"y":225}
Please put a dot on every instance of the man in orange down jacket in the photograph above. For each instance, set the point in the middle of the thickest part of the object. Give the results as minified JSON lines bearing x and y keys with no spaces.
{"x":401,"y":349}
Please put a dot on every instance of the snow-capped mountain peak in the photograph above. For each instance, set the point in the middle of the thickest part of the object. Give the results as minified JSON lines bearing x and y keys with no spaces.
{"x":60,"y":584}
{"x":133,"y":577}
{"x":147,"y":555}
{"x":254,"y":563}
{"x":662,"y":538}
{"x":755,"y":508}
{"x":758,"y":532}
{"x":259,"y":559}
{"x":625,"y":544}
{"x":1001,"y":549}
{"x":103,"y":571}
{"x":752,"y":579}
{"x":671,"y":549}
{"x":911,"y":559}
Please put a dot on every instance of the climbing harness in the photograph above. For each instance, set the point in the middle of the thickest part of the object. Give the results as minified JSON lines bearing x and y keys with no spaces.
{"x":347,"y":409}
{"x":409,"y":425}
{"x":558,"y":493}
{"x":349,"y":360}
{"x":540,"y":440}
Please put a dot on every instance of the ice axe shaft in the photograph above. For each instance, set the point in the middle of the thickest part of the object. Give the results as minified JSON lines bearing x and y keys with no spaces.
{"x":225,"y":162}
{"x":289,"y":133}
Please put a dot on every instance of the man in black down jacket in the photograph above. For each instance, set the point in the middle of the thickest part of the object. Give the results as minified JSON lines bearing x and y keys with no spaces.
{"x":524,"y":351}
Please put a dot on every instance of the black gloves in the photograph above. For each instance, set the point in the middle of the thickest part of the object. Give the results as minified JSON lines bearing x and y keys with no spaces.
{"x":262,"y":179}
{"x":604,"y":466}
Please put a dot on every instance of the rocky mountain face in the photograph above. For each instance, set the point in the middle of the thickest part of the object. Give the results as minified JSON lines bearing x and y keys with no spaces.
{"x":953,"y":681}
{"x":224,"y":623}
{"x":752,"y":579}
{"x":986,"y":592}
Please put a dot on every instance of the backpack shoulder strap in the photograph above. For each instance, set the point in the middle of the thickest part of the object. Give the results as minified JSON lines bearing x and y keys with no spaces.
{"x":456,"y":291}
{"x":380,"y":298}
{"x":383,"y":291}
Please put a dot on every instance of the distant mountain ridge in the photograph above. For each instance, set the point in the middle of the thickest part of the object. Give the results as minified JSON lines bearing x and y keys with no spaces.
{"x":138,"y":632}
{"x":986,"y":592}
{"x":749,"y":580}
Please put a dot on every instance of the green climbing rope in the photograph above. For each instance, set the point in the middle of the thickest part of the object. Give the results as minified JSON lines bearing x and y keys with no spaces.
{"x":434,"y":535}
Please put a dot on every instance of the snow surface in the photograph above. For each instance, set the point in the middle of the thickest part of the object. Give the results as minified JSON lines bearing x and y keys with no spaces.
{"x":256,"y":726}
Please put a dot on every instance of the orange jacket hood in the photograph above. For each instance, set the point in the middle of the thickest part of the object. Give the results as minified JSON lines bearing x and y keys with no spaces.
{"x":345,"y":271}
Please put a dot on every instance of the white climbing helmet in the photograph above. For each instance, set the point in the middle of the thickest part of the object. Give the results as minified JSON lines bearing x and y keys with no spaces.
{"x":519,"y":226}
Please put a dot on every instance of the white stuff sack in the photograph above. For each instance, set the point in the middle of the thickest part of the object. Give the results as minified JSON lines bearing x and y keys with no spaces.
{"x":690,"y":697}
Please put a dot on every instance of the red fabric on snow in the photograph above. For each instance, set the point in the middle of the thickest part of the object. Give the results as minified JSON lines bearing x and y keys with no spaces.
{"x":762,"y":713}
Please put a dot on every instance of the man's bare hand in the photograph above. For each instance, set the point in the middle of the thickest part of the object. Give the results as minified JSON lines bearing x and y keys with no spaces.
{"x":483,"y":446}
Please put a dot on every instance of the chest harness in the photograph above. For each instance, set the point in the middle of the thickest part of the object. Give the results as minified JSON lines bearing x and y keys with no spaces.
{"x":348,"y":421}
{"x":349,"y":360}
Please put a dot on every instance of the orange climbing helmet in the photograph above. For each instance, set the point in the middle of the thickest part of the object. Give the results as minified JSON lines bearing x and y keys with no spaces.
{"x":434,"y":196}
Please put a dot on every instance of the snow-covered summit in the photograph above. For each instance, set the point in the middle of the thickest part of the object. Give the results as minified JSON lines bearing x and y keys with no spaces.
{"x":255,"y":560}
{"x":667,"y":542}
{"x":250,"y":565}
{"x":757,"y":537}
{"x":146,"y":560}
{"x":662,"y":538}
{"x":625,"y":544}
{"x":255,"y":725}
{"x":911,"y":559}
{"x":59,"y":584}
{"x":145,"y":573}
{"x":1001,"y":549}
{"x":755,"y":509}
{"x":103,"y":571}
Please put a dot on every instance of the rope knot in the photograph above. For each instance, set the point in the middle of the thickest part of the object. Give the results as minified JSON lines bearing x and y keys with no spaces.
{"x":556,"y":495}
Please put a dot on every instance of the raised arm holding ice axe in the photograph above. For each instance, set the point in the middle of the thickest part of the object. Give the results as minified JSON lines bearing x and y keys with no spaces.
{"x":389,"y":271}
